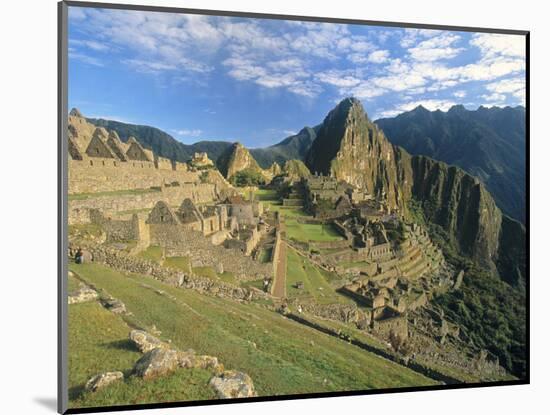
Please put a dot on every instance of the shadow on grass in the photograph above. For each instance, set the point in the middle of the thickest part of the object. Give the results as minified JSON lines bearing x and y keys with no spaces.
{"x":124,"y":344}
{"x":75,"y":392}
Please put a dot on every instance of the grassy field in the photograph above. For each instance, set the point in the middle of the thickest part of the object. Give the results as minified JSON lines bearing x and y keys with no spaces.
{"x":281,"y":356}
{"x":152,"y":253}
{"x":298,"y":231}
{"x":304,"y":232}
{"x":73,"y":284}
{"x":98,"y":342}
{"x":81,"y":196}
{"x":178,"y":262}
{"x":316,"y":285}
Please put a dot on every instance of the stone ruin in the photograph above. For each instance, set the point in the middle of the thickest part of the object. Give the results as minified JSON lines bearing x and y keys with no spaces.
{"x":201,"y":160}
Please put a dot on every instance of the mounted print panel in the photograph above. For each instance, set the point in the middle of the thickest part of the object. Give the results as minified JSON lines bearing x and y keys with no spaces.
{"x":273,"y":207}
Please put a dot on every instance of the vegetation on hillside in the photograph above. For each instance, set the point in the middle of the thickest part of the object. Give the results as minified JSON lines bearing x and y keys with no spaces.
{"x":247,"y":177}
{"x":492,"y":311}
{"x":488,"y":143}
{"x":281,"y":356}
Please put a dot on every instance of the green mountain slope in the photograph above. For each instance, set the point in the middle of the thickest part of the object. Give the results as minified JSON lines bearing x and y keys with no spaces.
{"x":352,"y":148}
{"x":488,"y":143}
{"x":293,"y":147}
{"x":163,"y":144}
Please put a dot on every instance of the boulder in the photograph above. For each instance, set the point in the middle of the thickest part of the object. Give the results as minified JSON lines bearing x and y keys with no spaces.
{"x":144,"y":341}
{"x":232,"y":384}
{"x":102,"y":380}
{"x":157,"y":362}
{"x":114,"y":305}
{"x":83,"y":294}
{"x":208,"y":362}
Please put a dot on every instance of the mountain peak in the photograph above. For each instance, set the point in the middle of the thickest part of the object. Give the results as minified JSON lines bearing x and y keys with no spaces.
{"x":456,"y":108}
{"x":76,"y":113}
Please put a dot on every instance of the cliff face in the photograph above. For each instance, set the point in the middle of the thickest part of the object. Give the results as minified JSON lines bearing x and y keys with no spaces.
{"x":460,"y":204}
{"x":237,"y":158}
{"x":351,"y":148}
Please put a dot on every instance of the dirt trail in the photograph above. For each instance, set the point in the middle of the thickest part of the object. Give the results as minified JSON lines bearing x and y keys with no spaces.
{"x":279,"y":281}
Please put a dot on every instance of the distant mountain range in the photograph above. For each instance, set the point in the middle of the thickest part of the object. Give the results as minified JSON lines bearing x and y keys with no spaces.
{"x":488,"y":143}
{"x":163,"y":144}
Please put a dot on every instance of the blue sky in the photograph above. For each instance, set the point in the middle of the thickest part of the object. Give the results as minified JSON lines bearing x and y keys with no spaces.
{"x":258,"y":81}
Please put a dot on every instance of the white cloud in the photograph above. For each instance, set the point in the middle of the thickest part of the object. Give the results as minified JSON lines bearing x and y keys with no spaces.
{"x":435,"y":48}
{"x":459,"y":94}
{"x":496,"y":44}
{"x":82,"y":57}
{"x":429,"y":104}
{"x":379,"y":56}
{"x":288,"y":56}
{"x":509,"y":86}
{"x":187,"y":133}
{"x":90,"y":44}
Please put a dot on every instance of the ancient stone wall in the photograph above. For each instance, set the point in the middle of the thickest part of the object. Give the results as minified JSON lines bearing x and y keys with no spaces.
{"x":118,"y":230}
{"x":181,"y":242}
{"x":112,"y":204}
{"x":397,"y":325}
{"x":93,"y":175}
{"x":126,"y":263}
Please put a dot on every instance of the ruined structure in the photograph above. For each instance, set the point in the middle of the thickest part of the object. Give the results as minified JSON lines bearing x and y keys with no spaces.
{"x":99,"y":161}
{"x":201,"y":160}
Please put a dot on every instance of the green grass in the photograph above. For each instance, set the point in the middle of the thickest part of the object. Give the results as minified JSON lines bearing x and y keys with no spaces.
{"x":281,"y":356}
{"x":152,"y":253}
{"x":178,"y":262}
{"x":228,"y":277}
{"x":82,"y":196}
{"x":98,"y":342}
{"x":266,"y":195}
{"x":301,"y":269}
{"x":73,"y":284}
{"x":206,"y":272}
{"x":85,"y":229}
{"x":358,"y":264}
{"x":265,"y":255}
{"x":311,"y":232}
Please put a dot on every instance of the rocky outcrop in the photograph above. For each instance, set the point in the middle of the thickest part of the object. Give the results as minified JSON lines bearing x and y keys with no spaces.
{"x":351,"y":148}
{"x":237,"y":158}
{"x":295,"y":170}
{"x":114,"y":305}
{"x":157,"y":362}
{"x":232,"y":384}
{"x":145,"y":342}
{"x":161,"y":360}
{"x":82,"y":295}
{"x":103,"y":379}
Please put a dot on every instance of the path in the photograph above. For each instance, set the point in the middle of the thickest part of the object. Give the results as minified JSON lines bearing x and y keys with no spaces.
{"x":279,"y":281}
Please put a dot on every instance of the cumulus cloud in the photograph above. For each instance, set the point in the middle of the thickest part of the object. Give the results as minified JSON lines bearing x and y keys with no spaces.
{"x":492,"y":45}
{"x":429,"y":104}
{"x":459,"y":94}
{"x":379,"y":56}
{"x":436,"y":48}
{"x":301,"y":58}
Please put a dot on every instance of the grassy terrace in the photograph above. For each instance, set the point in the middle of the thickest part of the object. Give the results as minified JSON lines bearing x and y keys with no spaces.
{"x":295,"y":230}
{"x":281,"y":356}
{"x":81,"y":196}
{"x":316,"y":281}
{"x":311,"y":232}
{"x":98,"y":342}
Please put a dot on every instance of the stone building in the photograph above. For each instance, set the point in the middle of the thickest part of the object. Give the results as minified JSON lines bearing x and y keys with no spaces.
{"x":201,"y":160}
{"x":207,"y":219}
